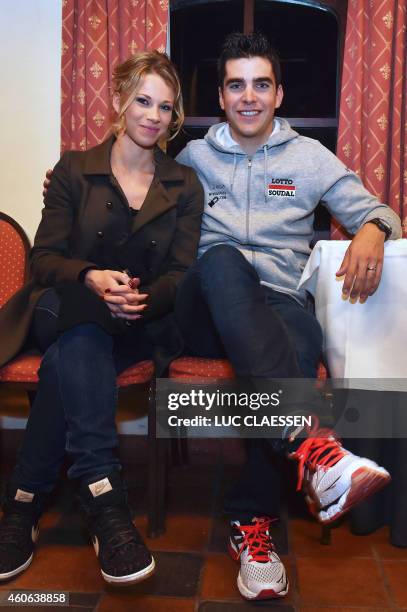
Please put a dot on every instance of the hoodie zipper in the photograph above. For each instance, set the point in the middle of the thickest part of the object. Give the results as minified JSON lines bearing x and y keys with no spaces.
{"x":249,"y":173}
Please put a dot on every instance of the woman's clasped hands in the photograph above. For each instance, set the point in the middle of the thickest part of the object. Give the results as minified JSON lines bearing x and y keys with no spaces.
{"x":119,"y":291}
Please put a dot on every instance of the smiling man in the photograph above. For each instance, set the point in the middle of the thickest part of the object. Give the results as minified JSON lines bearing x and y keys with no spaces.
{"x":249,"y":95}
{"x":262,"y":184}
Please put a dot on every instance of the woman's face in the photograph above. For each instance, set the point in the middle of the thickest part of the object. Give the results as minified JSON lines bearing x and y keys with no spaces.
{"x":149,"y":115}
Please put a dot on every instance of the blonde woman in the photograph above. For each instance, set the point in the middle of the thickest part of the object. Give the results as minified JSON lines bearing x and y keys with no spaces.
{"x":119,"y":228}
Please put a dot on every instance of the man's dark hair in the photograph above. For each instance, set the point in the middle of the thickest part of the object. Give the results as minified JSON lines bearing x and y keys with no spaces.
{"x":238,"y":46}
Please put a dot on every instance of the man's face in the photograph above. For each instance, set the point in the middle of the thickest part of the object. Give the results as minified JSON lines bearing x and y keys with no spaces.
{"x":249,"y":97}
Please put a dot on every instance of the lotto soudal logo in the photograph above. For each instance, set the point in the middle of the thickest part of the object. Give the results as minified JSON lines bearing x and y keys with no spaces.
{"x":281,"y":187}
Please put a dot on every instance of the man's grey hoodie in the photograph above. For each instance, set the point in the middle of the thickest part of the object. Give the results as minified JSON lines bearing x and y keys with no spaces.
{"x":263,"y":204}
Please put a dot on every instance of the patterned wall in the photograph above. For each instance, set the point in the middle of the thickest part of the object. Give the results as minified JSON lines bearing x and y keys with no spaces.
{"x":96,"y":35}
{"x":373,"y":114}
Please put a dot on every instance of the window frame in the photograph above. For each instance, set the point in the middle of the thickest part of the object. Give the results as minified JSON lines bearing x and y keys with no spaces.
{"x":337,"y":7}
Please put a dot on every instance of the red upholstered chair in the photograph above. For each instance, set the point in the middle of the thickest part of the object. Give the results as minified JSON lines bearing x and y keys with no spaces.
{"x":201,"y":368}
{"x":22,"y":371}
{"x":215,"y":369}
{"x":198,"y":370}
{"x":14,"y":247}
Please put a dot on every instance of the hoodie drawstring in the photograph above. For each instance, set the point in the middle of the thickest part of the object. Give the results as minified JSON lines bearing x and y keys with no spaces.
{"x":233,"y":171}
{"x":265,"y":173}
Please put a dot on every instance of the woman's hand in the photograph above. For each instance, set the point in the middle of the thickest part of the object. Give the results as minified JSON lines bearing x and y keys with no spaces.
{"x":47,"y":182}
{"x":119,"y":292}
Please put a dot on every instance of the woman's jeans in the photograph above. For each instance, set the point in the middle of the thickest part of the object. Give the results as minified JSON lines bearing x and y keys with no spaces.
{"x":75,"y":404}
{"x":224,"y":311}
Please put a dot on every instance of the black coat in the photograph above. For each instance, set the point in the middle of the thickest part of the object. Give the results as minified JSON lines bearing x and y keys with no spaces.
{"x":86,"y":217}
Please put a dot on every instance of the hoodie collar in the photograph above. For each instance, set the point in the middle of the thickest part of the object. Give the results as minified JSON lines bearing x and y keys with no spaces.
{"x":97,"y":162}
{"x":220,"y":138}
{"x":225,"y":138}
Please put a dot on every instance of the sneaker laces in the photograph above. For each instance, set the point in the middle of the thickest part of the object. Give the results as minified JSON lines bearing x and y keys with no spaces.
{"x":13,"y":529}
{"x":117,"y":529}
{"x":257,"y":538}
{"x":322,"y":448}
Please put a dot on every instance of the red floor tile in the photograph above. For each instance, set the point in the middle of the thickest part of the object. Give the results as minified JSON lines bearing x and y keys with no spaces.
{"x":62,"y":568}
{"x":120,"y":602}
{"x":341,"y":582}
{"x":381,"y":544}
{"x":183,"y":532}
{"x":396,"y":573}
{"x":219,"y":578}
{"x":305,"y":540}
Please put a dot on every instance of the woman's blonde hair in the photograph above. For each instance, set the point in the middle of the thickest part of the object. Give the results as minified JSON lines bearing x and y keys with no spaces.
{"x":126,"y":79}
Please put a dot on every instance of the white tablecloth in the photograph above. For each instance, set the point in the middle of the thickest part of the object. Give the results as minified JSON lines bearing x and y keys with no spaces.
{"x":364,"y":341}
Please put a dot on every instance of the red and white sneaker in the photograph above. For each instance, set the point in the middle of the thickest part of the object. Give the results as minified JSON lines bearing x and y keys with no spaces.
{"x":333,"y":479}
{"x":261,"y":575}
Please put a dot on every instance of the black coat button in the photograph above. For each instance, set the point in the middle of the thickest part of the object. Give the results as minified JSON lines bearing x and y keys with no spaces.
{"x":109,"y":205}
{"x":100,"y":234}
{"x":153,"y":243}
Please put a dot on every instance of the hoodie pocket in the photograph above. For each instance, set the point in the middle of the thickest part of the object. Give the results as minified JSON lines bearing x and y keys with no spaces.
{"x":288,"y":260}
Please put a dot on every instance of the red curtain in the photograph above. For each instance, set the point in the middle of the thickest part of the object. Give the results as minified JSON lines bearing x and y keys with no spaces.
{"x":96,"y":35}
{"x":372,"y":136}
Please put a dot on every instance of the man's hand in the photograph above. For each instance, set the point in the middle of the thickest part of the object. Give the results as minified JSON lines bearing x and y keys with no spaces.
{"x":363,"y":263}
{"x":119,"y":292}
{"x":46,"y":182}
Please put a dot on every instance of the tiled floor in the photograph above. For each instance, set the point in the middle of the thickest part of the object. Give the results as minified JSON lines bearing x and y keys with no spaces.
{"x":194,"y":573}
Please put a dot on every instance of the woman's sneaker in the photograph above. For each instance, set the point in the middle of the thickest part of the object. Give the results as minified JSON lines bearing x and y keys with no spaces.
{"x":18,"y":532}
{"x":333,"y":479}
{"x":262,"y":574}
{"x":123,"y":557}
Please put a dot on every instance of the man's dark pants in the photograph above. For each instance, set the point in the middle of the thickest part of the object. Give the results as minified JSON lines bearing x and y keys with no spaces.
{"x":224,"y":311}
